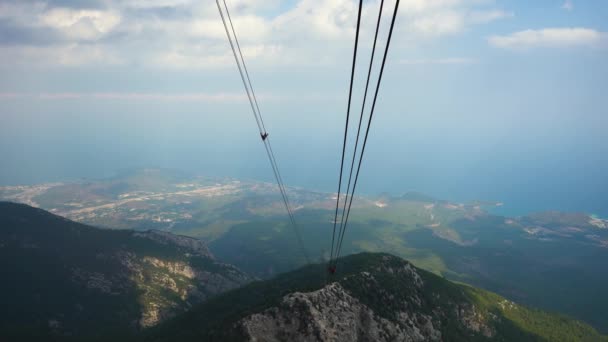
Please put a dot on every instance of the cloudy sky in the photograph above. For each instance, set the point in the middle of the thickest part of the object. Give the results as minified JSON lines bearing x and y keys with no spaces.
{"x":103,"y":84}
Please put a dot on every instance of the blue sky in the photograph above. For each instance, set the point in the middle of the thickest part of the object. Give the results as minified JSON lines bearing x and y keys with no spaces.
{"x":480,"y":97}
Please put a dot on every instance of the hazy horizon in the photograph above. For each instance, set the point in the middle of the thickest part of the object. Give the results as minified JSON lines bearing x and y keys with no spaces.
{"x":491,"y":100}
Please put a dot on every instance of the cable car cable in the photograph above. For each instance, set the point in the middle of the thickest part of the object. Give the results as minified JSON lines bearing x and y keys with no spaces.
{"x":369,"y":72}
{"x":350,"y":93}
{"x":388,"y":42}
{"x":260,"y":123}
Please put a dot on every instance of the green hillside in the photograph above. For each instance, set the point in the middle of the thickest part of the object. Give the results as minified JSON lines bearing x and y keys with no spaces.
{"x":552,"y":260}
{"x":65,"y":279}
{"x":488,"y":316}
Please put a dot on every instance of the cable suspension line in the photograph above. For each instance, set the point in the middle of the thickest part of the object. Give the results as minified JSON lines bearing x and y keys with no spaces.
{"x":255,"y":99}
{"x":350,"y":94}
{"x":245,"y":78}
{"x":369,"y":72}
{"x":238,"y":64}
{"x":369,"y":122}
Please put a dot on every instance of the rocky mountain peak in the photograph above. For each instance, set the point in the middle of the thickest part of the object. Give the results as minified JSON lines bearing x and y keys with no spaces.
{"x":332,"y":314}
{"x":189,"y":244}
{"x":361,"y":307}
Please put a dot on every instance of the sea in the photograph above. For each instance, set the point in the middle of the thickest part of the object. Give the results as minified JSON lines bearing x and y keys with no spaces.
{"x":523,"y":184}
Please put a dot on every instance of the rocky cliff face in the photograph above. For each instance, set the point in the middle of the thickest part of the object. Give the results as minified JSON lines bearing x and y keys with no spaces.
{"x":332,"y":314}
{"x":170,"y":287}
{"x":373,"y":297}
{"x":335,"y":314}
{"x":190,"y":245}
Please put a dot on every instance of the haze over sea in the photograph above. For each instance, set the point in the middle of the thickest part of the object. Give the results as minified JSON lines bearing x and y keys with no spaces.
{"x":458,"y":163}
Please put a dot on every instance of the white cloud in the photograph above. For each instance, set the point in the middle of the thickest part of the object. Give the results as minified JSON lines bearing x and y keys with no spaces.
{"x":439,"y":24}
{"x":59,"y":55}
{"x":10,"y":96}
{"x":204,"y":97}
{"x":568,"y":5}
{"x":439,"y":61}
{"x":194,"y":97}
{"x":80,"y":24}
{"x":437,"y":18}
{"x":190,"y":34}
{"x":420,"y":6}
{"x":483,"y":17}
{"x":549,"y":37}
{"x":155,"y":3}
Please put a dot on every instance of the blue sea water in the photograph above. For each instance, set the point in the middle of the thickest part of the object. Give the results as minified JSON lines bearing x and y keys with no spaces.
{"x":523,"y":186}
{"x":525,"y":168}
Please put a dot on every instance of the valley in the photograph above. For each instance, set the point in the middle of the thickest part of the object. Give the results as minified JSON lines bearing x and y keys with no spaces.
{"x":551,"y":260}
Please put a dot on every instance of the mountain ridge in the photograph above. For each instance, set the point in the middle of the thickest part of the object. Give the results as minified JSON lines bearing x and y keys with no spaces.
{"x":375,"y":296}
{"x":551,"y":260}
{"x":67,"y":279}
